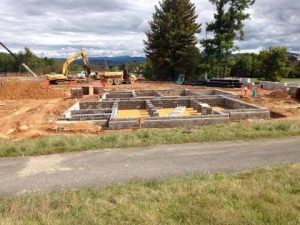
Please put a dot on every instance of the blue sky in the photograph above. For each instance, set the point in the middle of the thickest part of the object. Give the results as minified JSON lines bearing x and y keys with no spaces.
{"x":117,"y":27}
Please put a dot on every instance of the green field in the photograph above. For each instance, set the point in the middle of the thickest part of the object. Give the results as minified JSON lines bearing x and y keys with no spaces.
{"x":267,"y":196}
{"x":291,"y":80}
{"x":220,"y":132}
{"x":284,"y":80}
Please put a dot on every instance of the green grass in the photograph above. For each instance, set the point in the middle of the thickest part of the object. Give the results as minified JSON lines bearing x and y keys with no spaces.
{"x":284,"y":80}
{"x":221,"y":132}
{"x":266,"y":196}
{"x":291,"y":80}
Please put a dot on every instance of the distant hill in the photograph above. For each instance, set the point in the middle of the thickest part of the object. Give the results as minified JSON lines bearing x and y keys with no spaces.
{"x":293,"y":54}
{"x":109,"y":60}
{"x":233,"y":55}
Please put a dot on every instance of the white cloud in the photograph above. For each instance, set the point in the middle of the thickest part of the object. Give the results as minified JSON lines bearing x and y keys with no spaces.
{"x":116,"y":27}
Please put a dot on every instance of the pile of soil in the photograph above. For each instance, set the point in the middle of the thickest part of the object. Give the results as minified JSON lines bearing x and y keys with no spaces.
{"x":278,"y":94}
{"x":16,"y":90}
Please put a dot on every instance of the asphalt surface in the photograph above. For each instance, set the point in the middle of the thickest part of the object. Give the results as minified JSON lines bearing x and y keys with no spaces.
{"x":103,"y":168}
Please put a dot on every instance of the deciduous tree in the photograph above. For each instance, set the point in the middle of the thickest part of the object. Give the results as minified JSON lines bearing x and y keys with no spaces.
{"x":274,"y":64}
{"x":226,"y":27}
{"x":246,"y":65}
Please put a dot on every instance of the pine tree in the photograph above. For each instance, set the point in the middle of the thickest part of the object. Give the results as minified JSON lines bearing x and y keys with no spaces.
{"x":226,"y":28}
{"x":171,"y":41}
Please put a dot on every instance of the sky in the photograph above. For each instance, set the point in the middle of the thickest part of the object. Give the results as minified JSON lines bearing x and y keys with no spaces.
{"x":57,"y":28}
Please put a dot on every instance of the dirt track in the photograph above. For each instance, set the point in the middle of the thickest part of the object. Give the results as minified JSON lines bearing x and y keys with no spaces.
{"x":29,"y":108}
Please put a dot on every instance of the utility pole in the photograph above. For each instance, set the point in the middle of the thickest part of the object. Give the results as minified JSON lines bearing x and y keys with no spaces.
{"x":19,"y":61}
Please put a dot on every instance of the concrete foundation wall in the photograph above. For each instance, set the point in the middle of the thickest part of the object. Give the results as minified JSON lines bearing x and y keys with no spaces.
{"x":119,"y":95}
{"x":105,"y":112}
{"x":204,"y":92}
{"x":151,"y":109}
{"x":158,"y":94}
{"x":237,"y":104}
{"x":219,"y":101}
{"x":235,"y":116}
{"x":95,"y":105}
{"x":68,"y":113}
{"x":88,"y":117}
{"x":195,"y":105}
{"x":226,"y":94}
{"x":132,"y":104}
{"x":102,"y":123}
{"x":211,"y":92}
{"x":204,"y":109}
{"x":171,"y":103}
{"x":167,"y":122}
{"x":142,"y":93}
{"x":90,"y":111}
{"x":164,"y":93}
{"x":172,"y":92}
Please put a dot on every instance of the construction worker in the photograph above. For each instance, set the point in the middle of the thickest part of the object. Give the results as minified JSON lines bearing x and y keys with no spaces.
{"x":246,"y":90}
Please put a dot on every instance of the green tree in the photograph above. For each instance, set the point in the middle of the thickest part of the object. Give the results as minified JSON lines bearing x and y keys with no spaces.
{"x":171,"y":41}
{"x":28,"y":57}
{"x":38,"y":65}
{"x":295,"y":70}
{"x":7,"y":63}
{"x":226,"y":28}
{"x":147,"y":71}
{"x":274,"y":64}
{"x":246,"y":65}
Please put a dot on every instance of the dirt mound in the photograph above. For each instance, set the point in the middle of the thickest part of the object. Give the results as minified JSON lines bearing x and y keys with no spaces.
{"x":279,"y":94}
{"x":28,"y":90}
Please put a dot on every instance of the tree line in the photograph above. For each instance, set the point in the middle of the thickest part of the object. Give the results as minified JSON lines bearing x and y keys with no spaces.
{"x":172,"y":48}
{"x":46,"y":65}
{"x":39,"y":65}
{"x":270,"y":64}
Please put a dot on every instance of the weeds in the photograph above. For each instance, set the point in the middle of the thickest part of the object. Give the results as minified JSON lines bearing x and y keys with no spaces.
{"x":220,"y":132}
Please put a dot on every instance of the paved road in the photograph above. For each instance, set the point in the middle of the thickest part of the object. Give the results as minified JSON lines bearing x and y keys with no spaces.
{"x":103,"y":168}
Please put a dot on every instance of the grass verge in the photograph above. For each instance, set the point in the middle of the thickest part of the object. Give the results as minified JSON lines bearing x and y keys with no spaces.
{"x":266,"y":196}
{"x":291,"y":80}
{"x":220,"y":132}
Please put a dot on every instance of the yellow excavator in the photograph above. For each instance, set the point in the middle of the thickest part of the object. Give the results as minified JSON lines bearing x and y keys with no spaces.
{"x":116,"y":78}
{"x":56,"y":78}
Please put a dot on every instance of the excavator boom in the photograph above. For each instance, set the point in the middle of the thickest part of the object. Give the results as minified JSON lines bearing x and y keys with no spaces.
{"x":83,"y":54}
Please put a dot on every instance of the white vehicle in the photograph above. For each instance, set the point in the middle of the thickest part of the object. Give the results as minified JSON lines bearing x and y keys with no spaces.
{"x":81,"y":75}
